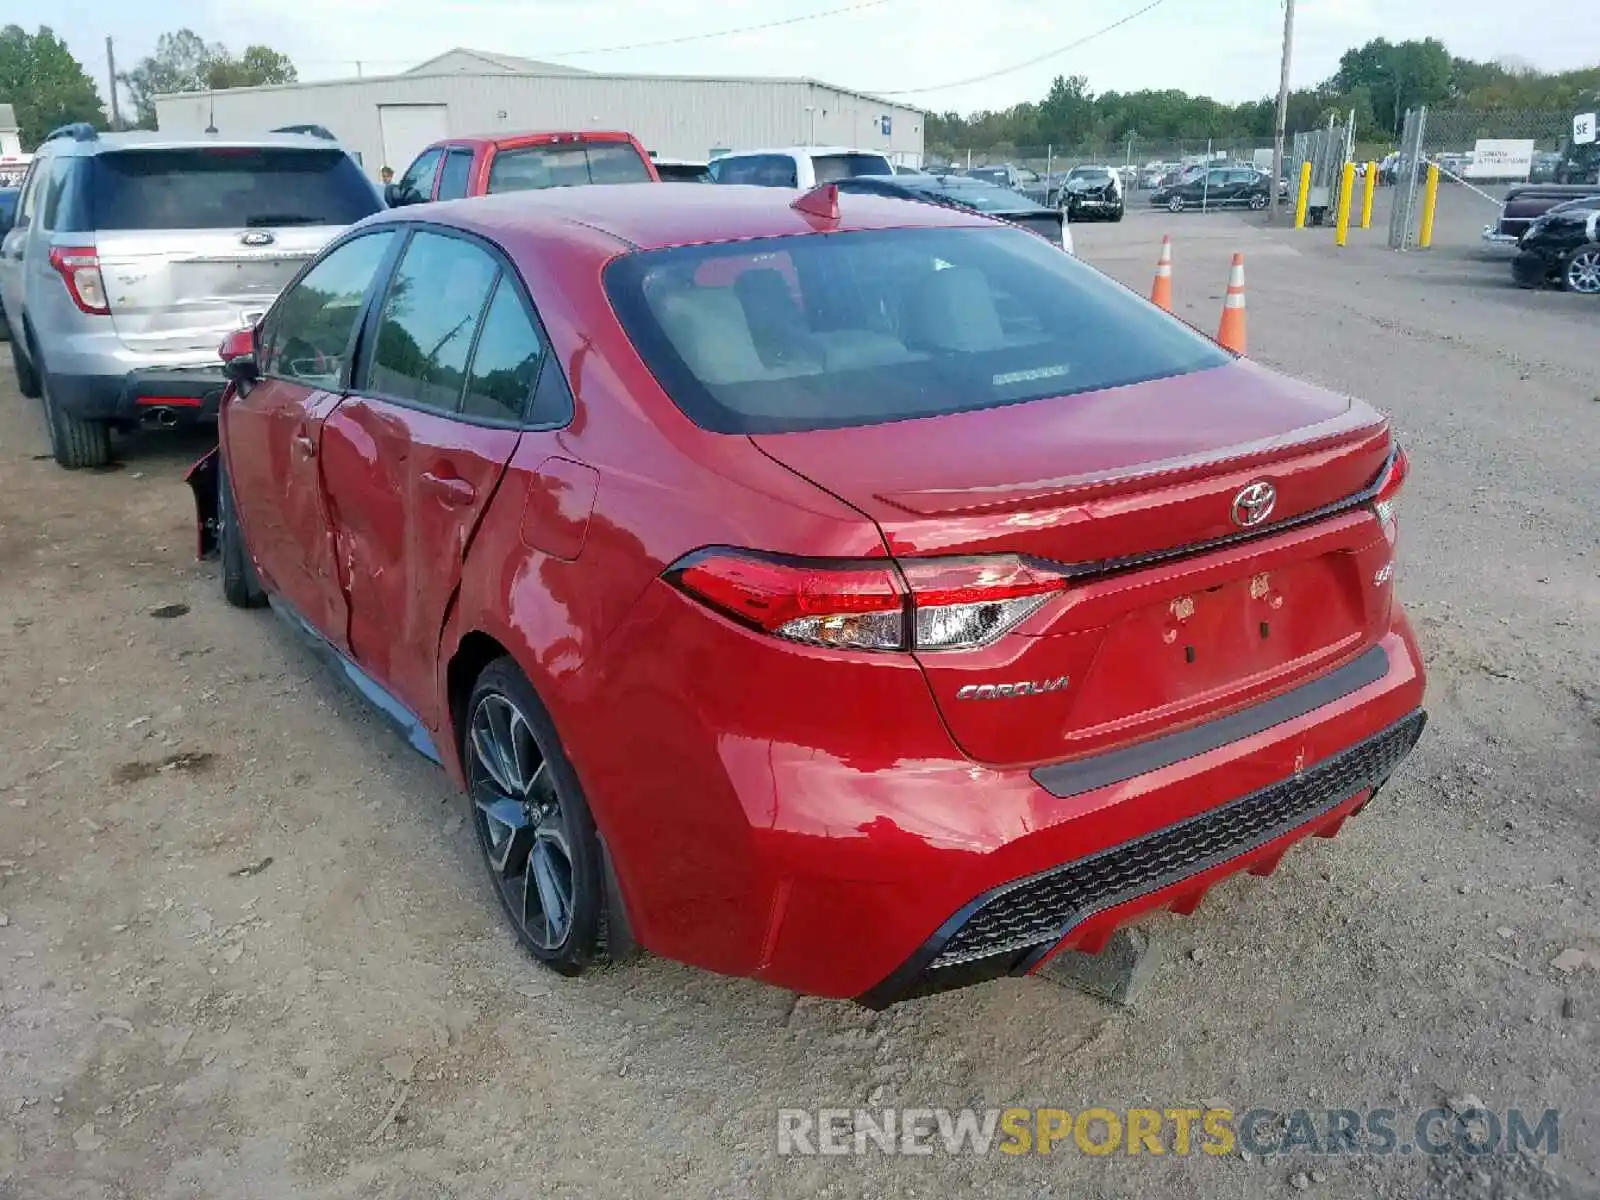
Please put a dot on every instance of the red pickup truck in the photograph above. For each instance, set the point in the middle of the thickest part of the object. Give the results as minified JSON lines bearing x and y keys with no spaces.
{"x":517,"y":162}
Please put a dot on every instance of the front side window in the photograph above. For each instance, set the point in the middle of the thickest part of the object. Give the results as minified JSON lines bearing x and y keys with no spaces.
{"x":531,"y":168}
{"x":823,"y":331}
{"x":416,"y":185}
{"x":306,"y":337}
{"x":430,"y":317}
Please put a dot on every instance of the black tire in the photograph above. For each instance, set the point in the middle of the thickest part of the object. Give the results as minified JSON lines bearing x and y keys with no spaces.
{"x":241,"y":586}
{"x":1175,"y":204}
{"x":76,"y":443}
{"x":552,"y":803}
{"x":27,"y":375}
{"x":1117,"y":216}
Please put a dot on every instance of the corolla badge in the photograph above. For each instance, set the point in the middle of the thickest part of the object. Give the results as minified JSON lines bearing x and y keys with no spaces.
{"x":1253,"y":504}
{"x":257,"y":237}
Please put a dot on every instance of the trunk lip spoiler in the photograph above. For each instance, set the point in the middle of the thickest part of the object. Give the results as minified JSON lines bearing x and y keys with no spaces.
{"x":1108,"y":566}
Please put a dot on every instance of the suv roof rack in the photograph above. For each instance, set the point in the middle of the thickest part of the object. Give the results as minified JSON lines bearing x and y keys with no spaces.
{"x":78,"y":131}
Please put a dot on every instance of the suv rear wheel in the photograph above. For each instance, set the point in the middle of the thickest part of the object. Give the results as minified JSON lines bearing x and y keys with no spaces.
{"x":76,"y":443}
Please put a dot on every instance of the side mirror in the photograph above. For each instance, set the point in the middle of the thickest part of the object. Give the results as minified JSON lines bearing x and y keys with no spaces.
{"x":238,"y":354}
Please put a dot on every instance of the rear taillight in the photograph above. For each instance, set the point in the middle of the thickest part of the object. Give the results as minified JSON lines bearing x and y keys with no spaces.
{"x":1387,"y":490}
{"x":79,"y":267}
{"x":868,"y":604}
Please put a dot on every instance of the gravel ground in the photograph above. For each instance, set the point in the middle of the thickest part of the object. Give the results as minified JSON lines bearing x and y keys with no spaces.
{"x":245,"y":950}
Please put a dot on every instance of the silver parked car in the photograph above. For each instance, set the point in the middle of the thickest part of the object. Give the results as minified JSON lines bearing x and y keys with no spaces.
{"x":134,"y":254}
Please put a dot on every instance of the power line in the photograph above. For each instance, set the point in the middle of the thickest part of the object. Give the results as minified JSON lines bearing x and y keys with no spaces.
{"x":683,"y":39}
{"x":721,"y":33}
{"x":1022,"y":66}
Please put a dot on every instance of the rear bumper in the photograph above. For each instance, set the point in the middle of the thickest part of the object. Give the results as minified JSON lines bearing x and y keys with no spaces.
{"x":1495,"y":239}
{"x":766,"y":822}
{"x":187,"y":394}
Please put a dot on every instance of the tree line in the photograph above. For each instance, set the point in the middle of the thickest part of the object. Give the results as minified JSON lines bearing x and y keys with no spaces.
{"x":49,"y":88}
{"x":1379,"y":81}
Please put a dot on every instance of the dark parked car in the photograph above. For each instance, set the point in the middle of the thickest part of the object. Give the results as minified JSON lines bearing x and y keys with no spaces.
{"x":8,"y":218}
{"x":1220,"y":187}
{"x":1525,"y":203}
{"x":959,"y":191}
{"x":1563,"y":246}
{"x":1092,"y":193}
{"x":858,"y":595}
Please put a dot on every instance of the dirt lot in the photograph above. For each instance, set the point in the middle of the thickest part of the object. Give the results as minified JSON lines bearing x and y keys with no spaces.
{"x":245,"y":950}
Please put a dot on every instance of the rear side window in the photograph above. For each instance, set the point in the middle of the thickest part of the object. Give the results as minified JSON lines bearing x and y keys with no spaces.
{"x":307,"y":335}
{"x":430,"y":317}
{"x":457,"y":174}
{"x":228,"y":187}
{"x":832,"y":167}
{"x":758,"y":170}
{"x":567,"y":165}
{"x":822,"y":331}
{"x":506,"y":361}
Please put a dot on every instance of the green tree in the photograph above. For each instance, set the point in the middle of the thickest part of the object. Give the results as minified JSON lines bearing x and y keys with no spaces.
{"x":44,"y":83}
{"x":186,"y":62}
{"x":1396,"y":76}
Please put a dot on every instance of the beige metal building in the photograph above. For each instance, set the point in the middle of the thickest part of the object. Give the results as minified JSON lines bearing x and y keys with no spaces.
{"x":388,"y":119}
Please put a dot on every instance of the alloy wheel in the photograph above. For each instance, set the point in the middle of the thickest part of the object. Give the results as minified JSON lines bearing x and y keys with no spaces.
{"x":1175,"y":204}
{"x":1258,"y":201}
{"x":1583,"y":271}
{"x":521,"y":821}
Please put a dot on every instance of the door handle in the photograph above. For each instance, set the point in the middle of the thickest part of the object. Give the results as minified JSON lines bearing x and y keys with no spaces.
{"x":306,"y":445}
{"x":451,"y":489}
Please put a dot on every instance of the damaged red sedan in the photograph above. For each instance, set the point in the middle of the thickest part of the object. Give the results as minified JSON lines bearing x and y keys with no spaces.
{"x":851,"y":593}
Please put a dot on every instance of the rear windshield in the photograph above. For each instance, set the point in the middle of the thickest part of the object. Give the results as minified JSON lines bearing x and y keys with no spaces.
{"x":228,"y":187}
{"x":816,"y":332}
{"x":566,"y":165}
{"x":683,"y":172}
{"x":831,"y":167}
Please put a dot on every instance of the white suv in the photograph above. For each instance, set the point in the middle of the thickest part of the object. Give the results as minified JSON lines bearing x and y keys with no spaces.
{"x":798,"y":166}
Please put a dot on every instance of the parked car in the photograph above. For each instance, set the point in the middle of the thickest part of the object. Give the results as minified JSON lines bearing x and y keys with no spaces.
{"x":1092,"y":193}
{"x":1219,"y":187}
{"x":973,"y":195}
{"x":1024,"y":181}
{"x":798,"y":166}
{"x":1151,"y":177}
{"x":903,"y":169}
{"x":134,"y":253}
{"x":1524,"y":204}
{"x":1545,"y":165}
{"x":13,"y":169}
{"x":1562,"y":247}
{"x":519,"y":162}
{"x":682,"y":170}
{"x":861,"y":596}
{"x":8,"y":217}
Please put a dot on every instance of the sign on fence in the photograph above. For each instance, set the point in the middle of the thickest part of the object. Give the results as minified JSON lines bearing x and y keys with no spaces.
{"x":1583,"y":129}
{"x":1501,"y":158}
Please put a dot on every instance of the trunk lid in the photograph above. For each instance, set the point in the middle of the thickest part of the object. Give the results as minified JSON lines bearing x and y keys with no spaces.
{"x":185,"y":290}
{"x":1176,"y":613}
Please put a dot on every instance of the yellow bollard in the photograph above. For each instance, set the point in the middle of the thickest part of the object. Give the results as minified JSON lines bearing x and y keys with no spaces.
{"x":1430,"y":199}
{"x":1347,"y":188}
{"x":1305,"y":195}
{"x":1366,"y":196}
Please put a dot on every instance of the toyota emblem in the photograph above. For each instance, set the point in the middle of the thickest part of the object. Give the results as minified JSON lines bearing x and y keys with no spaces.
{"x":1253,"y":504}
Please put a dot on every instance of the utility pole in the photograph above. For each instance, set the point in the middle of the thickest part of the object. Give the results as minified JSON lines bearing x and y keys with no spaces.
{"x":111,"y":70}
{"x":1283,"y":111}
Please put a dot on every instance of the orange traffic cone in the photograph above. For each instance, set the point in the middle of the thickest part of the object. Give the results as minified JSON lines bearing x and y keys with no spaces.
{"x":1161,"y":291}
{"x":1231,"y":332}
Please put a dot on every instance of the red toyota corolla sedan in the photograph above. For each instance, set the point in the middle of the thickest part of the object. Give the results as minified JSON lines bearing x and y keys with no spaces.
{"x":847,"y":592}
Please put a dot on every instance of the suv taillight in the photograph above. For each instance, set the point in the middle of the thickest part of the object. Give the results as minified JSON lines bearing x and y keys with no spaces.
{"x":1389,"y":484}
{"x":869,"y":604}
{"x":79,"y":267}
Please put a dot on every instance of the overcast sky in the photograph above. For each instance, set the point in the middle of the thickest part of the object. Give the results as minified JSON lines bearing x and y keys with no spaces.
{"x":1226,"y":48}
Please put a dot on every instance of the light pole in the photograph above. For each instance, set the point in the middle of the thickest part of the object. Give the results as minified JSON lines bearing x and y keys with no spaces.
{"x":1283,"y":111}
